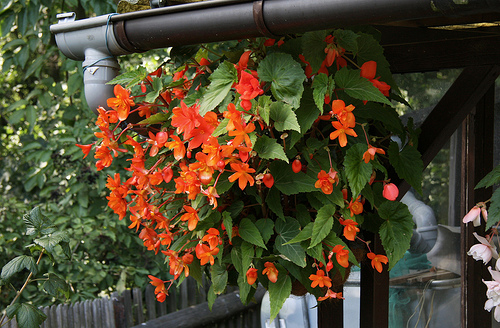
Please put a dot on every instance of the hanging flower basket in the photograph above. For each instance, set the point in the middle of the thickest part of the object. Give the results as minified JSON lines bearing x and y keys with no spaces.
{"x":268,"y":161}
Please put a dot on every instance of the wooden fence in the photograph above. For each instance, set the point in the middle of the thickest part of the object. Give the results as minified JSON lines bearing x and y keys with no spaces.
{"x":185,"y":307}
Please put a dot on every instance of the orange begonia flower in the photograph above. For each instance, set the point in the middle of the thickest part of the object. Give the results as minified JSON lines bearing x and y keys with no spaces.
{"x":350,"y":229}
{"x":326,"y":181}
{"x":122,"y":102}
{"x":331,"y":294}
{"x":191,"y":216}
{"x":368,"y":71}
{"x":344,"y":114}
{"x":341,"y":133}
{"x":369,"y":155}
{"x":205,"y":254}
{"x":249,"y":88}
{"x":377,"y":261}
{"x":85,"y":148}
{"x":319,"y":279}
{"x":251,"y":276}
{"x":240,"y":133}
{"x":242,"y":174}
{"x":342,"y":255}
{"x":356,"y":206}
{"x":212,"y":238}
{"x":271,"y":271}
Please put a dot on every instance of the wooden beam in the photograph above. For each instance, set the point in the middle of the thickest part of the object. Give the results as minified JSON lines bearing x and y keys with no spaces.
{"x":420,"y":49}
{"x":200,"y":315}
{"x":453,"y":108}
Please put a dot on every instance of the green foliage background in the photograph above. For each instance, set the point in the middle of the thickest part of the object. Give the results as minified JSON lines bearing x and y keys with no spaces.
{"x":42,"y":115}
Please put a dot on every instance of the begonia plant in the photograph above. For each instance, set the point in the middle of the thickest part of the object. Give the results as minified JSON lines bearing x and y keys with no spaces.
{"x":263,"y":161}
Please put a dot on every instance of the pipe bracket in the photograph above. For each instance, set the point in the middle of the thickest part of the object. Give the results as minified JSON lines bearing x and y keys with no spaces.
{"x":258,"y":18}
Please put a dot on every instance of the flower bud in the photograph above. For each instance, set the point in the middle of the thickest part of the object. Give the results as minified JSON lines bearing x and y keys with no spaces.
{"x":390,"y":192}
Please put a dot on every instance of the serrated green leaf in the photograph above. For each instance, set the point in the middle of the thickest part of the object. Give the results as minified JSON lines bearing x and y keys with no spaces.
{"x":288,"y":182}
{"x":408,"y":164}
{"x":313,"y":48}
{"x":211,"y":297}
{"x":322,"y":224}
{"x":303,"y":234}
{"x":28,"y":316}
{"x":55,"y":285}
{"x":279,"y":292}
{"x":317,"y":253}
{"x":155,"y":119}
{"x":17,"y":264}
{"x":320,"y":89}
{"x":307,"y":113}
{"x":490,"y":179}
{"x":249,"y":232}
{"x":157,"y":88}
{"x":284,"y":117}
{"x":347,"y":39}
{"x":357,"y":171}
{"x":358,"y":87}
{"x":286,"y":77}
{"x":494,"y":209}
{"x":264,"y":106}
{"x":222,"y":80}
{"x":130,"y":78}
{"x":286,"y":230}
{"x":396,"y":231}
{"x":268,"y":148}
{"x":273,"y":201}
{"x":50,"y":241}
{"x":236,"y":259}
{"x":244,"y":288}
{"x":247,"y":255}
{"x":228,"y":224}
{"x":11,"y":310}
{"x":219,"y":278}
{"x":266,"y":228}
{"x":36,"y":222}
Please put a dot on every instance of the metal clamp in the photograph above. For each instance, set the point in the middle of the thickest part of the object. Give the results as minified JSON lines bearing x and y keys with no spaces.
{"x":258,"y":18}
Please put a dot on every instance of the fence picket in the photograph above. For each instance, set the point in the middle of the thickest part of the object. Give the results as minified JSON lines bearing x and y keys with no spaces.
{"x":150,"y":302}
{"x":96,"y":314}
{"x":138,"y":307}
{"x":87,"y":308}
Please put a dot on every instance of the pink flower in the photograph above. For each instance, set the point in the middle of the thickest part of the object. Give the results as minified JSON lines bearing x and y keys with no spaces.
{"x":474,"y":215}
{"x":391,"y":191}
{"x":493,"y":294}
{"x":484,"y":251}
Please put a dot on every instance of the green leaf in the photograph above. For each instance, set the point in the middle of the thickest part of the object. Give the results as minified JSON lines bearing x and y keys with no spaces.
{"x":37,"y":223}
{"x":268,"y":148}
{"x":333,"y":240}
{"x":358,"y":87}
{"x":211,"y":297}
{"x":322,"y":225}
{"x":228,"y":224}
{"x":288,"y":182}
{"x":155,"y":119}
{"x":304,"y":234}
{"x":17,"y":264}
{"x":494,"y":209}
{"x":219,"y":278}
{"x":408,"y":164}
{"x":236,"y":259}
{"x":396,"y":231}
{"x":490,"y":179}
{"x":247,"y":254}
{"x":313,"y":48}
{"x":358,"y":172}
{"x":279,"y":292}
{"x":286,"y":230}
{"x":244,"y":289}
{"x":264,"y":106}
{"x":273,"y":201}
{"x":50,"y":241}
{"x":266,"y":228}
{"x":306,"y":113}
{"x":320,"y":89}
{"x":284,"y":117}
{"x":249,"y":232}
{"x":55,"y":285}
{"x":130,"y":78}
{"x":28,"y":316}
{"x":157,"y":88}
{"x":286,"y":77}
{"x":221,"y":81}
{"x":12,"y":310}
{"x":347,"y":39}
{"x":387,"y":115}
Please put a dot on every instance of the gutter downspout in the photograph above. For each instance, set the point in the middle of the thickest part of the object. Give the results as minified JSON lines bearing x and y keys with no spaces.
{"x":96,"y":39}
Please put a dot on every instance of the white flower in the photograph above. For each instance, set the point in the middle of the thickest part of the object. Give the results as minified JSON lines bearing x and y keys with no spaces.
{"x":474,"y":215}
{"x":484,"y":251}
{"x":493,"y":294}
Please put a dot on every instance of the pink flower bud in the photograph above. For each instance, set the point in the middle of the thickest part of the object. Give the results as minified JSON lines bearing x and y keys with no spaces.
{"x":390,"y":192}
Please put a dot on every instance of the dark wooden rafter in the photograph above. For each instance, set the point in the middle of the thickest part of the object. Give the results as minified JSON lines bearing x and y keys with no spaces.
{"x":422,"y":49}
